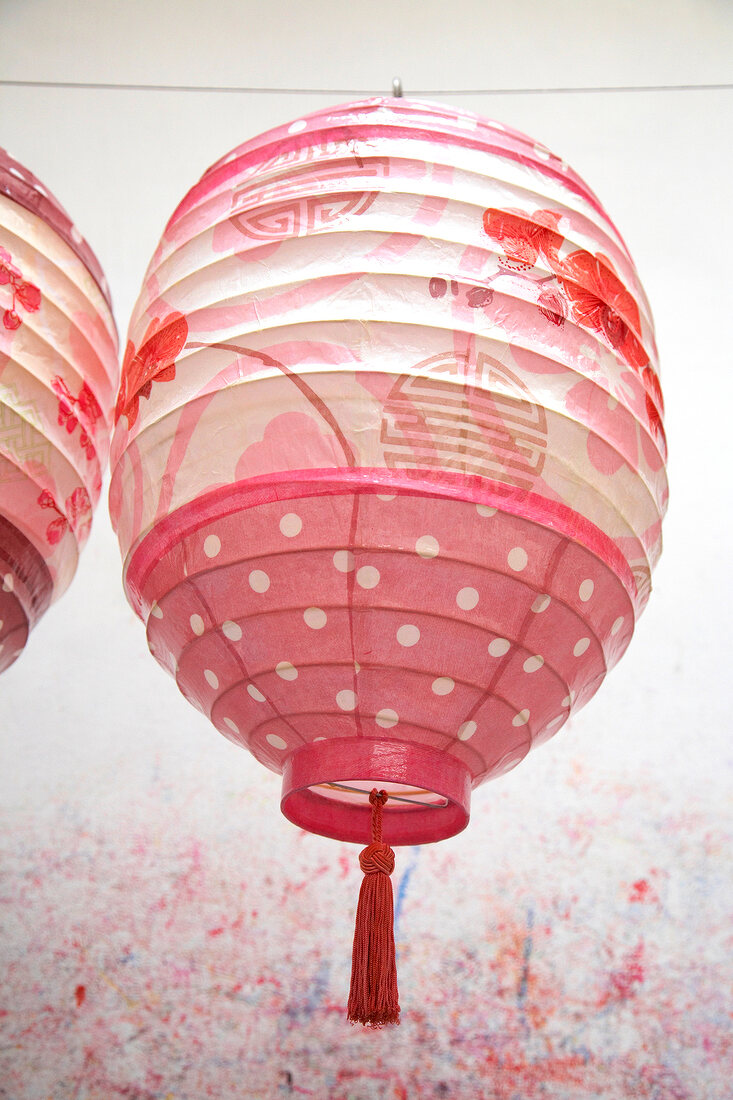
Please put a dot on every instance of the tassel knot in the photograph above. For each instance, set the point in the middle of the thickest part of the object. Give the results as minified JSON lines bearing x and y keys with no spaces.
{"x":377,"y":858}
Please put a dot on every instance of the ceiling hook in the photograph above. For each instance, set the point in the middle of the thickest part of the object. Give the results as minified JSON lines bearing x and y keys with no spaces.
{"x":397,"y":88}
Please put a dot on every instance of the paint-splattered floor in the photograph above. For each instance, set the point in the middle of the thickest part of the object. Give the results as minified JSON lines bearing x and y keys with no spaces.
{"x":166,"y":935}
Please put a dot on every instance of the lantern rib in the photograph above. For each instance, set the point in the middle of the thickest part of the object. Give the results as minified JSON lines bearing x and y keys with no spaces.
{"x":60,"y":273}
{"x":88,"y":478}
{"x":615,"y":562}
{"x":67,"y":365}
{"x":69,"y":374}
{"x":485,"y":692}
{"x":493,"y":143}
{"x":253,"y":732}
{"x":146,"y":423}
{"x":41,"y":487}
{"x":408,"y":554}
{"x":273,"y":323}
{"x":249,"y":295}
{"x":391,"y":224}
{"x":481,"y":688}
{"x":264,"y":195}
{"x":235,"y":654}
{"x":423,"y":460}
{"x":44,"y":352}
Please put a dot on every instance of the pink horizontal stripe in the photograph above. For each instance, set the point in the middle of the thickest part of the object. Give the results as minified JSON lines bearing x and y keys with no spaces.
{"x":345,"y":133}
{"x":295,"y":484}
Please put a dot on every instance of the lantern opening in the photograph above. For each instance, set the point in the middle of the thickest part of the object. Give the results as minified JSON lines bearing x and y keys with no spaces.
{"x":429,"y":792}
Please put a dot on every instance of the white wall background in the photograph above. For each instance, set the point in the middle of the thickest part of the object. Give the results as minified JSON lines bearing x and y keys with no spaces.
{"x":100,"y":753}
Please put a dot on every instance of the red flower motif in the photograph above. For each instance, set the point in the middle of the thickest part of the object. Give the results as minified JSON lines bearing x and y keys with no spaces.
{"x":524,"y":238}
{"x":600,"y":301}
{"x":78,"y":515}
{"x":29,"y":296}
{"x":25,"y":294}
{"x":154,"y":361}
{"x":552,"y":306}
{"x":597,"y":298}
{"x":8,"y":270}
{"x":57,"y":527}
{"x":86,"y":403}
{"x":79,"y":511}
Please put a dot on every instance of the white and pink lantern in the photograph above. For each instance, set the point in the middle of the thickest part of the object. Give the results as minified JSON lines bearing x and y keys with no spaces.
{"x":58,"y":379}
{"x":389,"y":466}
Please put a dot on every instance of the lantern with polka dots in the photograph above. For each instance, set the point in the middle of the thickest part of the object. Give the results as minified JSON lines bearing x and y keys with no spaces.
{"x":58,"y":380}
{"x":388,"y":472}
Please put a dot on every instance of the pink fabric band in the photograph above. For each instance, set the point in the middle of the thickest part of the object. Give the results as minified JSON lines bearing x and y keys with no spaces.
{"x":387,"y":761}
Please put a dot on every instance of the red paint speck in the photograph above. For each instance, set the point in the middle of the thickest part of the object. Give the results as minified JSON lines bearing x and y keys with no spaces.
{"x":215,"y":931}
{"x":640,"y":890}
{"x":623,"y":980}
{"x":79,"y":994}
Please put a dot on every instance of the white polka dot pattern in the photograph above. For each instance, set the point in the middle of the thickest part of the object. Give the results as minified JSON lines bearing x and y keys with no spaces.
{"x":315,"y":618}
{"x":293,"y":629}
{"x":212,"y":546}
{"x":408,"y":635}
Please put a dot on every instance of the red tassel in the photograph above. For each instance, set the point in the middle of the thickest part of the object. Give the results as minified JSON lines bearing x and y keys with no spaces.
{"x":374,"y":998}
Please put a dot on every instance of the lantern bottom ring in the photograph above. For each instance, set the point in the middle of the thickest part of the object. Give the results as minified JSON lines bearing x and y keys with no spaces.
{"x":326,"y":788}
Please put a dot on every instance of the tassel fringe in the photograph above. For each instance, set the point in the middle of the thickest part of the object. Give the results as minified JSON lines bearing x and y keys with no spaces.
{"x":374,"y":997}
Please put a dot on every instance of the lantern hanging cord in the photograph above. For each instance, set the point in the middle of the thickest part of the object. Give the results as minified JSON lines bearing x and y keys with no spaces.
{"x":417,"y":92}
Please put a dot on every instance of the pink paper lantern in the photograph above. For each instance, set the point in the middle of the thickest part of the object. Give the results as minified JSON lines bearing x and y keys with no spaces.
{"x":388,"y":473}
{"x":58,"y":379}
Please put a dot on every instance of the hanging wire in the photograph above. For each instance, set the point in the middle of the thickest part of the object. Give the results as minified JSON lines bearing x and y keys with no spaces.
{"x":418,"y":92}
{"x":438,"y":804}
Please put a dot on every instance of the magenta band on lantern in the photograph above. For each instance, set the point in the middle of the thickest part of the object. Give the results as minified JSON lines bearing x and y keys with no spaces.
{"x":294,"y":484}
{"x":388,"y":761}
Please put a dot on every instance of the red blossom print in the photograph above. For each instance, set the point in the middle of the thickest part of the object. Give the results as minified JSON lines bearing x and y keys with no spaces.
{"x":86,"y":404}
{"x":29,"y":296}
{"x":154,"y":361}
{"x":24,"y":294}
{"x":57,"y":527}
{"x":78,"y":515}
{"x":524,"y":239}
{"x":56,"y":530}
{"x":7,"y":267}
{"x":79,"y":511}
{"x":600,"y":301}
{"x":552,"y":306}
{"x":596,"y":297}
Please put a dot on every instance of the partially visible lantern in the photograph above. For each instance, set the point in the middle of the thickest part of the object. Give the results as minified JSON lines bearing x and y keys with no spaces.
{"x":58,"y":379}
{"x":388,"y":473}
